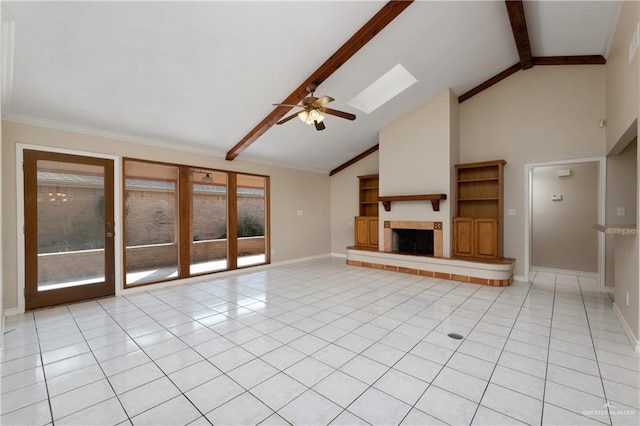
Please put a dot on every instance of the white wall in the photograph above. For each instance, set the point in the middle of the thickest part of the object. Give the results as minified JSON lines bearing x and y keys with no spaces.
{"x":622,"y":79}
{"x":622,"y":191}
{"x":623,"y":109}
{"x":292,"y":236}
{"x":1,"y":252}
{"x":344,"y":201}
{"x":546,"y":113}
{"x":416,"y":158}
{"x":562,"y":233}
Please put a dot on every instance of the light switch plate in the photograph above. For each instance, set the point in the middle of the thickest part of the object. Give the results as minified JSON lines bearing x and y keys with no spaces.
{"x":511,"y":212}
{"x":299,"y":212}
{"x":621,"y":211}
{"x":556,"y":197}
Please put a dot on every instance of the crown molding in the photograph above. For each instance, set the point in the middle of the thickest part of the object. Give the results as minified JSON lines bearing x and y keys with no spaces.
{"x":91,"y":131}
{"x":8,"y":47}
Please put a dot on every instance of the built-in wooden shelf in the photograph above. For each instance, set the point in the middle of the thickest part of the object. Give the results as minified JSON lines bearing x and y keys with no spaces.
{"x":434,"y":198}
{"x":477,"y":180}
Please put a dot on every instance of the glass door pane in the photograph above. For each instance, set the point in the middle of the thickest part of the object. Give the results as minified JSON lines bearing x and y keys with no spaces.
{"x":252,"y":224}
{"x":151,"y":222}
{"x":208,"y":221}
{"x":70,"y":224}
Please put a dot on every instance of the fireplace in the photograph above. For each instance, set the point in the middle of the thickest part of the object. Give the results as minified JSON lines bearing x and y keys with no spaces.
{"x":412,"y":241}
{"x":411,"y":237}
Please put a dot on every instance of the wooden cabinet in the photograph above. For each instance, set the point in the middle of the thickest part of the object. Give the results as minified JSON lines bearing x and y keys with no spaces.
{"x":361,"y":225}
{"x":486,"y":238}
{"x":476,"y":237}
{"x":366,"y":231}
{"x":477,"y":225}
{"x":463,"y":236}
{"x":366,"y":223}
{"x":372,"y":228}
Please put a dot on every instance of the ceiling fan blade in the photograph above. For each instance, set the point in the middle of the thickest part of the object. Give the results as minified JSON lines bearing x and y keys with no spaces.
{"x":320,"y":102}
{"x":319,"y":125}
{"x":288,"y":105}
{"x":284,"y":120}
{"x":341,"y":114}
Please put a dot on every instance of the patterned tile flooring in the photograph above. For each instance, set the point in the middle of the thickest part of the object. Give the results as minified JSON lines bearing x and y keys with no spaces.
{"x":319,"y":343}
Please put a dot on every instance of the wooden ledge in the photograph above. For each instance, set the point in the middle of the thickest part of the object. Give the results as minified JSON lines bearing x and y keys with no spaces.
{"x":434,"y":198}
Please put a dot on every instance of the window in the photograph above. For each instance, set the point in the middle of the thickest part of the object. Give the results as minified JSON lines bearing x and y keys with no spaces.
{"x":183,"y":221}
{"x":151,"y":222}
{"x":208,"y":221}
{"x":250,"y":196}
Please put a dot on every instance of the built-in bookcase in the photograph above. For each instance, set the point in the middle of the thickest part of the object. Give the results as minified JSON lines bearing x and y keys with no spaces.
{"x":366,"y":223}
{"x":477,"y":227}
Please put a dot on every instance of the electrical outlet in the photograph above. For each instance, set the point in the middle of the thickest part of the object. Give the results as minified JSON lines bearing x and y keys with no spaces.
{"x":511,"y":212}
{"x":621,"y":211}
{"x":556,"y":197}
{"x":350,"y":224}
{"x":299,"y":212}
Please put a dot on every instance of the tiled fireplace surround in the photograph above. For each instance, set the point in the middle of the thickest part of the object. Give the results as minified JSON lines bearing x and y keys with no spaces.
{"x":437,"y":266}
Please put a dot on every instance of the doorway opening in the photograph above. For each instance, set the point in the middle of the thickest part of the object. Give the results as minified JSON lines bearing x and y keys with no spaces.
{"x":564,"y":200}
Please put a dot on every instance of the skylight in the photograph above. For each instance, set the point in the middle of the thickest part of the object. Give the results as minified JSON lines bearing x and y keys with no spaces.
{"x":391,"y":84}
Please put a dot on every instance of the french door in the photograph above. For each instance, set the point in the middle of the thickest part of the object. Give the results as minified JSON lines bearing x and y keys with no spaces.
{"x":69,"y":228}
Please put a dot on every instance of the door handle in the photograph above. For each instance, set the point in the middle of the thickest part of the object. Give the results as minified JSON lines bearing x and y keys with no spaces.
{"x":110,"y":233}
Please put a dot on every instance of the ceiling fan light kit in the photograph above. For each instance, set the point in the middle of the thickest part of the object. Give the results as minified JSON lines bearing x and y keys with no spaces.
{"x":311,"y":116}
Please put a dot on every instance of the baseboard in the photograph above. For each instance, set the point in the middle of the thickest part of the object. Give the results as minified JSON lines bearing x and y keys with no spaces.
{"x":566,"y":272}
{"x":339,"y":255}
{"x":11,"y":312}
{"x":632,"y":338}
{"x":297,"y":260}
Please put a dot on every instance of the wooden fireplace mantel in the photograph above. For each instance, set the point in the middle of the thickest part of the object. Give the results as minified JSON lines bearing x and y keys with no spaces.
{"x":434,"y":198}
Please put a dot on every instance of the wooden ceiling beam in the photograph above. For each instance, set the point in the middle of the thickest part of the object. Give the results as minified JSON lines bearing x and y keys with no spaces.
{"x":493,"y":80}
{"x":570,"y":60}
{"x":368,"y":31}
{"x":515,"y":9}
{"x":354,"y":159}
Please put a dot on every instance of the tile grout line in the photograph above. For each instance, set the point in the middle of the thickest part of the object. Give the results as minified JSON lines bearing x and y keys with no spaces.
{"x":360,"y":353}
{"x":595,"y":352}
{"x":524,"y":299}
{"x":406,"y":352}
{"x":101,"y":369}
{"x":44,"y":373}
{"x":546,"y":370}
{"x":398,"y":295}
{"x":154,"y":362}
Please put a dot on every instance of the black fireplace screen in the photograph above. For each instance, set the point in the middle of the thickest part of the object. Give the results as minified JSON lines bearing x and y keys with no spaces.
{"x":413,"y":241}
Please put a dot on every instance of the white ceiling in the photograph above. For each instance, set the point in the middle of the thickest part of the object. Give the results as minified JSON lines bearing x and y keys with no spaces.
{"x":202,"y":74}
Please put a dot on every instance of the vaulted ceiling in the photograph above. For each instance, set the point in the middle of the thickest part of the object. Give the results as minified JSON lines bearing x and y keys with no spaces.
{"x":201,"y":75}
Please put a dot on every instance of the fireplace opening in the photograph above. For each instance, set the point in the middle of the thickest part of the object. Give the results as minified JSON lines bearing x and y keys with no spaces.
{"x":412,"y":241}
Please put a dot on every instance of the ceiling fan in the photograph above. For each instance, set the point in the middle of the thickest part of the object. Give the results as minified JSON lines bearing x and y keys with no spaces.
{"x":314,"y":109}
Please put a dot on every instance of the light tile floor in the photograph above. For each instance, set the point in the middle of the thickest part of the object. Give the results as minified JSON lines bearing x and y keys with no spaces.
{"x":320,"y":343}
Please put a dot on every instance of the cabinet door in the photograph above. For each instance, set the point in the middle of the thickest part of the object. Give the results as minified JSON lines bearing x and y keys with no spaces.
{"x":360,"y":226}
{"x":486,"y":237}
{"x":373,"y":231}
{"x":463,"y":243}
